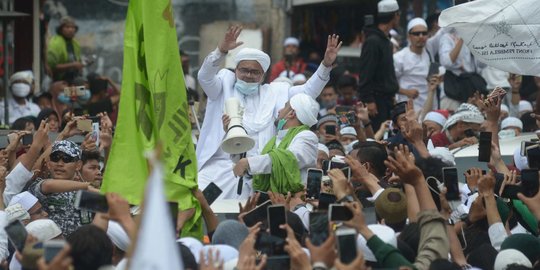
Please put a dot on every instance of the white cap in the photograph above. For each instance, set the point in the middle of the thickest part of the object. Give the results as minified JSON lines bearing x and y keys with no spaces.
{"x":443,"y":154}
{"x":118,"y":236}
{"x":306,"y":109}
{"x":435,"y":117}
{"x":385,"y":233}
{"x":291,"y":41}
{"x":323,"y":148}
{"x":226,"y":252}
{"x":26,"y":76}
{"x":193,"y":245}
{"x":386,"y":6}
{"x":348,"y":131}
{"x":525,"y":106}
{"x":43,"y":229}
{"x":504,"y":108}
{"x":253,"y":54}
{"x":299,"y":78}
{"x":510,"y":256}
{"x":16,"y":212}
{"x":26,"y":199}
{"x":414,"y":22}
{"x":511,"y":122}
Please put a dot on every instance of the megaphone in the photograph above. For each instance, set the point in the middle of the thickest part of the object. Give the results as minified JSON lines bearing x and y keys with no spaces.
{"x":236,"y":141}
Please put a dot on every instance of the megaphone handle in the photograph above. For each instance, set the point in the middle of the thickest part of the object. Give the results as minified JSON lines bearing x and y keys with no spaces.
{"x":240,"y":185}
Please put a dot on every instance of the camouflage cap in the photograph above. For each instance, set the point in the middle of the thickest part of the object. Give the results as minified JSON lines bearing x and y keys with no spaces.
{"x":67,"y":147}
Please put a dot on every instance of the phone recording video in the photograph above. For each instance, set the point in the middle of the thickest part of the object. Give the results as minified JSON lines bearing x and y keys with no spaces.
{"x":325,"y":199}
{"x":339,"y":212}
{"x":91,"y":201}
{"x":484,"y":147}
{"x":211,"y":193}
{"x":17,"y":234}
{"x":277,"y":215}
{"x":27,"y":139}
{"x":51,"y":248}
{"x":529,"y":182}
{"x":318,"y":227}
{"x":259,"y":213}
{"x":313,"y":189}
{"x":346,"y":243}
{"x":533,"y":156}
{"x":330,"y":129}
{"x":84,"y":125}
{"x":450,"y":178}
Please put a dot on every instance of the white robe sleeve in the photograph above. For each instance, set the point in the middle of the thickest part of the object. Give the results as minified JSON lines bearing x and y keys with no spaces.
{"x":314,"y":86}
{"x":303,"y":214}
{"x":15,"y":181}
{"x":4,"y":252}
{"x":497,"y":235}
{"x":446,"y":45}
{"x":207,"y":76}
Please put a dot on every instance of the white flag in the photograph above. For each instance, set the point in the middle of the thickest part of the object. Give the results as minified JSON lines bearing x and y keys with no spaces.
{"x":156,"y":246}
{"x":504,"y":34}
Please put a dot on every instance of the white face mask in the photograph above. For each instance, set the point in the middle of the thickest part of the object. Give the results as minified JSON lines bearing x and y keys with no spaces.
{"x":20,"y":89}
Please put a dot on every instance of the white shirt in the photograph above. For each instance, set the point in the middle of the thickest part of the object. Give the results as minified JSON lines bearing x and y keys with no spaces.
{"x":411,"y":71}
{"x":17,"y":111}
{"x":464,"y":61}
{"x":15,"y":181}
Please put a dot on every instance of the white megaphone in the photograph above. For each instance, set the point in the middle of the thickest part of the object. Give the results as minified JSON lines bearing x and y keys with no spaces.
{"x":236,"y":141}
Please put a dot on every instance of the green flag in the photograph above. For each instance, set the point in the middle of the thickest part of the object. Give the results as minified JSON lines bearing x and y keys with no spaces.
{"x":153,"y":108}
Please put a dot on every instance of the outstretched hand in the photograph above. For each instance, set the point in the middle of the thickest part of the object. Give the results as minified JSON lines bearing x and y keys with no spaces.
{"x":332,"y":47}
{"x":229,"y":41}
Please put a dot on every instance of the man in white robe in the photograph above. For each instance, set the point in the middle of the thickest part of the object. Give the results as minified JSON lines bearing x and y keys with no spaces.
{"x":261,"y":103}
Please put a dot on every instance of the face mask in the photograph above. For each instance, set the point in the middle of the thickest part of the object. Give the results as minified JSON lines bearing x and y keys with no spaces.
{"x":20,"y":89}
{"x":281,"y":123}
{"x":329,"y":104}
{"x":245,"y":87}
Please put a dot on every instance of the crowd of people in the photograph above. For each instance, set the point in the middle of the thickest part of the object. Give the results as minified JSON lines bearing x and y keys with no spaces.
{"x":378,"y":143}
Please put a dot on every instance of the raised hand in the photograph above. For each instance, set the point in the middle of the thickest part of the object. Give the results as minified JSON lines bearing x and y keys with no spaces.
{"x":362,"y":112}
{"x":332,"y":47}
{"x":403,"y":165}
{"x":229,"y":40}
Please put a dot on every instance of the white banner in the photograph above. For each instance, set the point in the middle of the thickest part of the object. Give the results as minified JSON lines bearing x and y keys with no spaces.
{"x":504,"y":34}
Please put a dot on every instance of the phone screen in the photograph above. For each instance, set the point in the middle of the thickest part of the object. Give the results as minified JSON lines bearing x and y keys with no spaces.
{"x":277,"y":216}
{"x":318,"y":227}
{"x":340,"y":212}
{"x":484,"y":147}
{"x":330,"y":130}
{"x":211,"y":193}
{"x":533,"y":157}
{"x":351,"y":117}
{"x":529,"y":182}
{"x":263,"y":197}
{"x":257,"y":214}
{"x":52,"y":248}
{"x":27,"y":139}
{"x":347,"y":246}
{"x":84,"y":125}
{"x":450,"y":177}
{"x":336,"y":165}
{"x":325,"y":200}
{"x":314,"y":177}
{"x":91,"y":201}
{"x":17,"y":234}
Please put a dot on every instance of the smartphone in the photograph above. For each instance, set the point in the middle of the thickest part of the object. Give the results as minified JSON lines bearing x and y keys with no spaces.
{"x":325,"y":165}
{"x":314,"y":177}
{"x":330,"y":129}
{"x":347,"y":172}
{"x":95,"y":132}
{"x":450,"y":178}
{"x":27,"y":139}
{"x":278,"y":262}
{"x":318,"y":227}
{"x":524,"y":145}
{"x":259,"y":213}
{"x":346,"y":244}
{"x":11,"y":137}
{"x":484,"y":147}
{"x":84,"y":125}
{"x":370,"y":216}
{"x":270,"y":245}
{"x":368,"y":20}
{"x":469,"y":133}
{"x":16,"y":234}
{"x":211,"y":193}
{"x":325,"y":200}
{"x":343,"y":109}
{"x":91,"y":201}
{"x":509,"y":191}
{"x":51,"y":248}
{"x":529,"y":182}
{"x":339,"y":212}
{"x":277,"y":215}
{"x":263,"y":197}
{"x":533,"y":157}
{"x":343,"y":120}
{"x":351,"y":117}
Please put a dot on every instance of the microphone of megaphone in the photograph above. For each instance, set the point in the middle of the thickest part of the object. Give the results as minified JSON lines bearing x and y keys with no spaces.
{"x":236,"y":141}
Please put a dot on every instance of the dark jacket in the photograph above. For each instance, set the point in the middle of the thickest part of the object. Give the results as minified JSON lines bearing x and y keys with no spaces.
{"x":377,"y":76}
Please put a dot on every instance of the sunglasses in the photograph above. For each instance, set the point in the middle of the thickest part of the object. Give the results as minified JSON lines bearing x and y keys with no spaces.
{"x":56,"y":157}
{"x":423,"y":33}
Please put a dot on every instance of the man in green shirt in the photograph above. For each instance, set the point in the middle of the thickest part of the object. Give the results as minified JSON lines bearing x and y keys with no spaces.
{"x":64,"y":52}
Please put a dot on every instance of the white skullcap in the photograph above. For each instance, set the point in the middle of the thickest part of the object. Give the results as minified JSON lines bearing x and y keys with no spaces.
{"x":414,"y":22}
{"x":443,"y":154}
{"x":299,"y":78}
{"x":291,"y":41}
{"x":306,"y":109}
{"x":226,"y":252}
{"x":26,"y":76}
{"x":467,"y":113}
{"x":348,"y":131}
{"x":385,"y":233}
{"x":525,"y":106}
{"x":386,"y":6}
{"x":349,"y":147}
{"x":16,"y":212}
{"x":504,"y":108}
{"x":510,"y":256}
{"x":26,"y":199}
{"x":118,"y":236}
{"x":435,"y":117}
{"x":511,"y":122}
{"x":323,"y":148}
{"x":520,"y":161}
{"x":283,"y":80}
{"x":253,"y":54}
{"x":43,"y":229}
{"x":193,"y":245}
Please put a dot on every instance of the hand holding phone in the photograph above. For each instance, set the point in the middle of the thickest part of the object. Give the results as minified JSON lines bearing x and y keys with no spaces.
{"x":450,"y":178}
{"x":211,"y":193}
{"x":339,"y":212}
{"x":484,"y":147}
{"x":52,"y":248}
{"x":17,"y":234}
{"x":314,"y":177}
{"x":91,"y":201}
{"x":346,"y":244}
{"x":259,"y":213}
{"x":277,"y":215}
{"x":529,"y":182}
{"x":318,"y":227}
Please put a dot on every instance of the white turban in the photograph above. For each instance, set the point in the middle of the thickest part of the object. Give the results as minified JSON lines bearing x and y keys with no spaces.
{"x":253,"y":54}
{"x":306,"y":109}
{"x":414,"y":22}
{"x":511,"y":122}
{"x":386,"y":6}
{"x":16,"y":212}
{"x":443,"y":154}
{"x":435,"y":117}
{"x":467,"y":113}
{"x":323,"y":148}
{"x":118,"y":236}
{"x":525,"y":106}
{"x":43,"y":229}
{"x":348,"y":131}
{"x":26,"y":76}
{"x":26,"y":199}
{"x":291,"y":41}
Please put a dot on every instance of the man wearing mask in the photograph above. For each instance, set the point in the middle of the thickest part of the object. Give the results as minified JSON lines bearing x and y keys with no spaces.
{"x":328,"y":98}
{"x":283,"y":163}
{"x":260,"y":102}
{"x":64,"y":52}
{"x":461,"y":129}
{"x":20,"y":85}
{"x":291,"y":63}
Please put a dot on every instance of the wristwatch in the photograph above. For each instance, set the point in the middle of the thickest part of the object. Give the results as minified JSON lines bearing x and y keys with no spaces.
{"x":348,"y":198}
